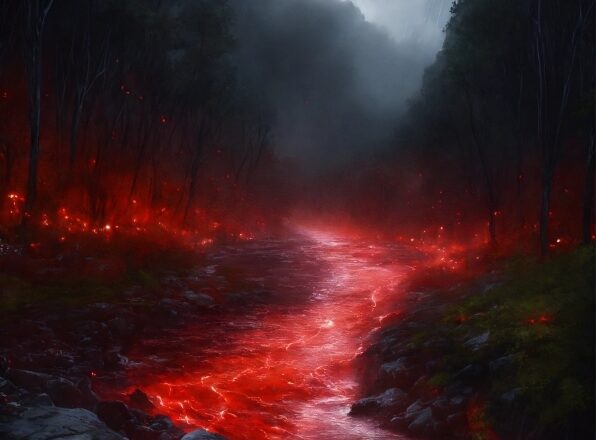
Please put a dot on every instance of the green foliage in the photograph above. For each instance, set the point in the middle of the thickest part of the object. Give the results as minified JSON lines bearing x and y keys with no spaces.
{"x":103,"y":272}
{"x":542,"y":316}
{"x":18,"y":293}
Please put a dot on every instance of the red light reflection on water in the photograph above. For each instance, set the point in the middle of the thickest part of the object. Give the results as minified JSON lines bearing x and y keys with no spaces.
{"x":280,"y":371}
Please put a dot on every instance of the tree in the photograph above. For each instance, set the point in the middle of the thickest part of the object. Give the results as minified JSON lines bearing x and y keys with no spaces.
{"x":36,"y":12}
{"x":558,"y":28}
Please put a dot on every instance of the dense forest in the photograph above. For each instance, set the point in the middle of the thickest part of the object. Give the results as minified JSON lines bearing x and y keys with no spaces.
{"x":130,"y":112}
{"x":502,"y":131}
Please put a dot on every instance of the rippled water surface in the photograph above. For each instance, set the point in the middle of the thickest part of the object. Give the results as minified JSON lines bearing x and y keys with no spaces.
{"x":280,"y":367}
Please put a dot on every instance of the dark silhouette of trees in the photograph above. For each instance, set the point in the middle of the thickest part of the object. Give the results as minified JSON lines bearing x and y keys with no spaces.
{"x":139,"y":91}
{"x":507,"y":85}
{"x":35,"y":15}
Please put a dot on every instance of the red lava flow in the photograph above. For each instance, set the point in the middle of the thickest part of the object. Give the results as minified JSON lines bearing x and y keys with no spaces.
{"x":281,"y":369}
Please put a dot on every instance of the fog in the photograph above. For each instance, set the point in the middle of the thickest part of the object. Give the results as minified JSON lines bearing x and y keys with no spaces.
{"x":416,"y":22}
{"x":335,"y":75}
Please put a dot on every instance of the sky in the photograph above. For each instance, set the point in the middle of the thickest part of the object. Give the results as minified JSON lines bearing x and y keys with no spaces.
{"x":418,"y":21}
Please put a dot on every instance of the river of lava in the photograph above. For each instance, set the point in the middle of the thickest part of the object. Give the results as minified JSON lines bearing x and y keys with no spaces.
{"x":281,"y":369}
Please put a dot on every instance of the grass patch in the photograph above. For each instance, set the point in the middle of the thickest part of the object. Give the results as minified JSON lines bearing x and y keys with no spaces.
{"x":17,"y":293}
{"x":85,"y":270}
{"x":542,"y":319}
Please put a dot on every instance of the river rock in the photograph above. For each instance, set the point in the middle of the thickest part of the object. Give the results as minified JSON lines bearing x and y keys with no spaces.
{"x":201,"y":434}
{"x":394,"y":368}
{"x":3,"y":365}
{"x":90,"y":399}
{"x":393,"y":397}
{"x":139,"y":399}
{"x":114,"y":413}
{"x":469,"y":372}
{"x":113,"y":360}
{"x":30,"y":380}
{"x":6,"y":386}
{"x":413,"y":410}
{"x":423,"y":422}
{"x":510,"y":396}
{"x":169,"y":310}
{"x":458,"y":401}
{"x":37,"y":400}
{"x":501,"y":364}
{"x":64,"y":393}
{"x":198,"y":299}
{"x":477,"y":342}
{"x":456,"y":419}
{"x":121,"y":326}
{"x":50,"y":422}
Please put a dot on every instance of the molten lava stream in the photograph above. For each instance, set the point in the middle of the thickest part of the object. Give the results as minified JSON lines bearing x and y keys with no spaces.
{"x":280,"y":371}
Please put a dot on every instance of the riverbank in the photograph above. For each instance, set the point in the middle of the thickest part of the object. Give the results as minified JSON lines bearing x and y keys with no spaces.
{"x":69,"y":313}
{"x":252,"y":340}
{"x":509,"y":354}
{"x":258,"y":340}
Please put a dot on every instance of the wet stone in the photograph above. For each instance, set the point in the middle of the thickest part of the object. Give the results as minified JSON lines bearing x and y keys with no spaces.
{"x":423,"y":422}
{"x":393,"y":397}
{"x":139,"y":399}
{"x":501,"y":364}
{"x":49,"y":422}
{"x":114,"y":413}
{"x":394,"y":368}
{"x":64,"y":393}
{"x":198,"y":299}
{"x":201,"y":434}
{"x":478,"y":342}
{"x":469,"y":372}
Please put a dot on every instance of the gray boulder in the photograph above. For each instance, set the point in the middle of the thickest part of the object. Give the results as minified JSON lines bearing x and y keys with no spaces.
{"x":501,"y":364}
{"x":423,"y":422}
{"x":477,"y":342}
{"x":198,"y":299}
{"x":201,"y":434}
{"x":50,"y":422}
{"x":391,"y":398}
{"x":394,"y":368}
{"x":510,"y":396}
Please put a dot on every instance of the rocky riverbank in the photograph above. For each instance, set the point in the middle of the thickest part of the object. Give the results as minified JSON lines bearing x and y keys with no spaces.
{"x":54,"y":354}
{"x":397,"y":371}
{"x":479,"y":359}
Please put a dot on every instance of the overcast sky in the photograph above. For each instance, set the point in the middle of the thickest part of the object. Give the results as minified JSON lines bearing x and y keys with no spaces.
{"x":416,"y":21}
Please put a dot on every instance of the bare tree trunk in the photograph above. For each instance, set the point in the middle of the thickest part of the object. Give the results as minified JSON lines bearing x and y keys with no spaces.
{"x":489,"y":180}
{"x":555,"y":68}
{"x":74,"y":128}
{"x":547,"y":183}
{"x":588,"y":208}
{"x":6,"y":151}
{"x":194,"y":169}
{"x":36,"y":12}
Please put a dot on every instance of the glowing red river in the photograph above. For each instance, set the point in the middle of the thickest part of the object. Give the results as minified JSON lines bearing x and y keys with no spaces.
{"x":281,"y":367}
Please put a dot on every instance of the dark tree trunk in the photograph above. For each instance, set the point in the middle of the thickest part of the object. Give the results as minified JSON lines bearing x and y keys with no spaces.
{"x":36,"y":12}
{"x":556,"y":49}
{"x":74,"y":128}
{"x":547,"y":184}
{"x":492,"y":227}
{"x":588,"y":208}
{"x":489,"y":179}
{"x":194,"y":168}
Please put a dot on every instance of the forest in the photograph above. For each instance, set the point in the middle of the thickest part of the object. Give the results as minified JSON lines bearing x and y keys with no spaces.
{"x":227,"y":219}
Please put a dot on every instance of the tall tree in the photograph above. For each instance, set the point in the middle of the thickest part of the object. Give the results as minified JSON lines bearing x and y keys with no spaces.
{"x":35,"y":14}
{"x":558,"y":29}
